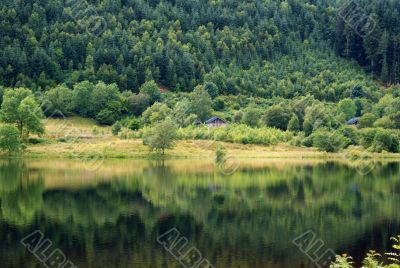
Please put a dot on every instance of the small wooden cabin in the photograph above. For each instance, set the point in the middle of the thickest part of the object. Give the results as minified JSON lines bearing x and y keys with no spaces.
{"x":215,"y":121}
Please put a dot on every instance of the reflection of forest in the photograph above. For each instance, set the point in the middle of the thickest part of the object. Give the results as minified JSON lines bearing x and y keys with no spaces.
{"x":245,"y":220}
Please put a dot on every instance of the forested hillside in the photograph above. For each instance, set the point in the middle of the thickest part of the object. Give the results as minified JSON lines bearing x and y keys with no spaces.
{"x":301,"y":67}
{"x":264,"y":48}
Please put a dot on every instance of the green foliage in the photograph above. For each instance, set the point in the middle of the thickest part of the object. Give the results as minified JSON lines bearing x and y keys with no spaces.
{"x":9,"y":139}
{"x":384,"y":122}
{"x":156,"y":113}
{"x":137,"y":103}
{"x":161,"y":136}
{"x":220,"y":155}
{"x":251,"y":117}
{"x":181,"y":112}
{"x":372,"y":258}
{"x":357,"y":92}
{"x":106,"y":117}
{"x":116,"y":128}
{"x":102,"y":95}
{"x":367,"y":120}
{"x":134,"y":124}
{"x":211,"y":89}
{"x":294,"y":124}
{"x":277,"y":116}
{"x":236,"y":133}
{"x":385,"y":141}
{"x":58,"y":101}
{"x":201,"y":103}
{"x":395,"y":118}
{"x":20,"y":108}
{"x":80,"y":97}
{"x":343,"y":261}
{"x":348,"y":108}
{"x":330,"y":141}
{"x":151,"y":90}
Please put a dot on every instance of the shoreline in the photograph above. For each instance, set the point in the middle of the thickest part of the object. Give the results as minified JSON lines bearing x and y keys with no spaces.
{"x":115,"y":148}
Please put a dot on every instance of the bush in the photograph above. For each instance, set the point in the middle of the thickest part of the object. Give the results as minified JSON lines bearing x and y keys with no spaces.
{"x":385,"y":141}
{"x":237,"y":133}
{"x":277,"y":117}
{"x":294,"y":124}
{"x":161,"y":136}
{"x":116,"y":128}
{"x":351,"y":134}
{"x":37,"y":140}
{"x":106,"y":117}
{"x":330,"y":141}
{"x":384,"y":122}
{"x":367,"y":137}
{"x":220,"y":155}
{"x":367,"y":120}
{"x":10,"y":139}
{"x":134,"y":123}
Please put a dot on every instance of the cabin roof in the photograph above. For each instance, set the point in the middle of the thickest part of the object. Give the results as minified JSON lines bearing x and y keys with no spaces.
{"x":212,"y":119}
{"x":353,"y":121}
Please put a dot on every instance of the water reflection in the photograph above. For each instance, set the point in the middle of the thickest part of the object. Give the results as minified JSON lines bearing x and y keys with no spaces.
{"x":111,"y":218}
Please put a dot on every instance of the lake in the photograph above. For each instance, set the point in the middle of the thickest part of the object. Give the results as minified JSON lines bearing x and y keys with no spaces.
{"x":151,"y":213}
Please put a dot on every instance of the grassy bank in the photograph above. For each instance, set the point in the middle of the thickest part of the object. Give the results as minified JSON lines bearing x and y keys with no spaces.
{"x":83,"y":138}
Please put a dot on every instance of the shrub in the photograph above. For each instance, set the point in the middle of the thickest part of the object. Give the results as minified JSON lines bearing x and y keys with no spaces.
{"x":367,"y":120}
{"x":384,"y":141}
{"x":351,"y":134}
{"x":384,"y":122}
{"x":238,"y":133}
{"x":106,"y":117}
{"x":277,"y":117}
{"x":134,"y":124}
{"x":161,"y":136}
{"x":330,"y":141}
{"x":294,"y":124}
{"x":151,"y":89}
{"x":251,"y":117}
{"x":10,"y":139}
{"x":367,"y":137}
{"x":220,"y":155}
{"x":116,"y":128}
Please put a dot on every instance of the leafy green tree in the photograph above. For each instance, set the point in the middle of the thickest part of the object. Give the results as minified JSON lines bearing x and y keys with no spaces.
{"x":251,"y":117}
{"x":10,"y":139}
{"x":294,"y":124}
{"x":348,"y":108}
{"x":155,"y":113}
{"x":137,"y":103}
{"x":367,"y":120}
{"x":20,"y":108}
{"x":58,"y":101}
{"x":116,"y":128}
{"x":102,"y":95}
{"x":277,"y":117}
{"x":384,"y":122}
{"x":181,"y":112}
{"x":151,"y":89}
{"x":330,"y":141}
{"x":201,"y":103}
{"x":134,"y":123}
{"x":385,"y":141}
{"x":212,"y":89}
{"x":396,"y":120}
{"x":80,"y":98}
{"x":357,"y":92}
{"x":161,"y":136}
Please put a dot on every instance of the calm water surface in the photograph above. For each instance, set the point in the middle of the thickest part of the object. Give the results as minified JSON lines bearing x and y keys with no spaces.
{"x":112,"y":217}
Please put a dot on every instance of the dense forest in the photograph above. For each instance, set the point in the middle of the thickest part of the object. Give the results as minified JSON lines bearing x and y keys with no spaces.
{"x":301,"y":67}
{"x":240,"y":46}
